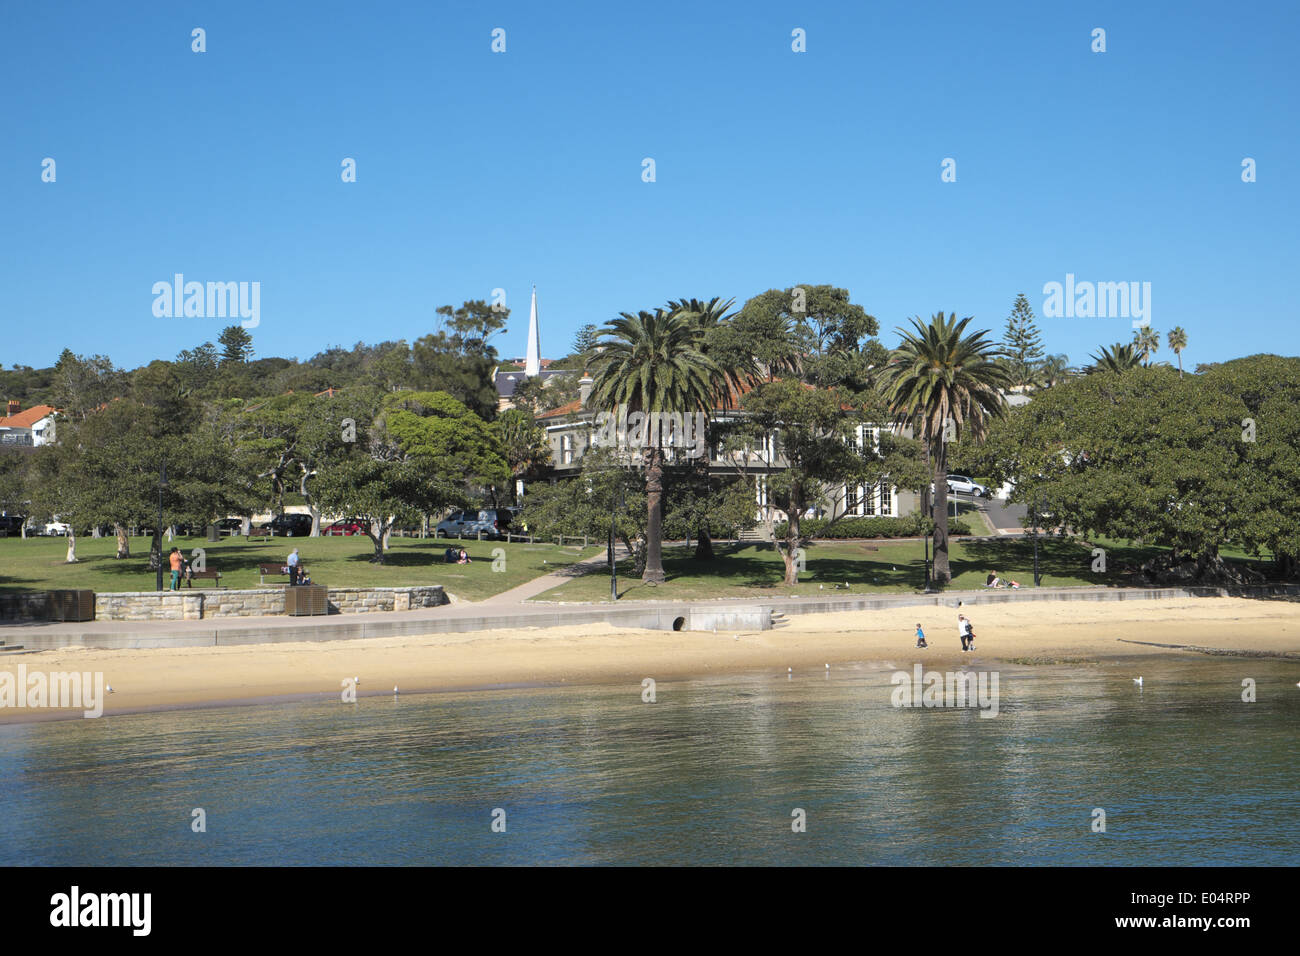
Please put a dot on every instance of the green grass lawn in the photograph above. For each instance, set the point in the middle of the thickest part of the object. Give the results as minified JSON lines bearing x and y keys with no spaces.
{"x":37,"y":564}
{"x":757,"y":571}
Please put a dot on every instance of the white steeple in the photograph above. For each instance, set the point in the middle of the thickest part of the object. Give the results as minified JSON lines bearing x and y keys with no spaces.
{"x":533,"y":361}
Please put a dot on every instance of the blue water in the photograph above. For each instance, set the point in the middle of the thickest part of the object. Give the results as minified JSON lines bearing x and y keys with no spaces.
{"x":710,"y":773}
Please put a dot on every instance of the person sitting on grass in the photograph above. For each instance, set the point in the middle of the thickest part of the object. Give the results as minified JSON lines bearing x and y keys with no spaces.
{"x":450,"y":556}
{"x":464,"y":557}
{"x":992,"y":580}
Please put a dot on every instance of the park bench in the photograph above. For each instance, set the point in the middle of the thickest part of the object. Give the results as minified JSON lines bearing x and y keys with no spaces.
{"x":214,"y":576}
{"x":258,"y":533}
{"x":264,"y":569}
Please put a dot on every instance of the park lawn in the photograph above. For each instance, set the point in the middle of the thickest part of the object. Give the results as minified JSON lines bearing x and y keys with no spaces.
{"x":344,"y":561}
{"x":749,"y":571}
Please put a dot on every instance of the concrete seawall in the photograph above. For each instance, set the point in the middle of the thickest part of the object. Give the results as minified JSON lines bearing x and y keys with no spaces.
{"x":724,"y":614}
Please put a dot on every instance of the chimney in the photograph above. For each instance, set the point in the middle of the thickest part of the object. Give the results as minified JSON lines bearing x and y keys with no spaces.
{"x":584,"y":389}
{"x":14,"y":408}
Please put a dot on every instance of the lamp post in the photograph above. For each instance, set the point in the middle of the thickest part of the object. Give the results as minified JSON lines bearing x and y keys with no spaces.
{"x":1037,"y":510}
{"x":616,"y":503}
{"x":157,"y":531}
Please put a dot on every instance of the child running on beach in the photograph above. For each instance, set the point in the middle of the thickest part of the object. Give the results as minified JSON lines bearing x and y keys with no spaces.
{"x":920,"y":637}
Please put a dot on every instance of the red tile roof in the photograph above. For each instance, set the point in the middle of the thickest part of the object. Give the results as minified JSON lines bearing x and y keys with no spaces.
{"x":28,"y":417}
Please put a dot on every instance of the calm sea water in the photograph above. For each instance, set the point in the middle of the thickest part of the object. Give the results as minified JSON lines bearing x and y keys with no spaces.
{"x":709,"y":774}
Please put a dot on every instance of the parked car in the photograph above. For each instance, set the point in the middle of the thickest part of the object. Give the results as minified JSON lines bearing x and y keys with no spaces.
{"x":55,"y":528}
{"x":11,"y":526}
{"x":454,"y":525}
{"x":289,"y":525}
{"x":496,"y":522}
{"x":230,"y":526}
{"x":960,"y":484}
{"x":346,"y":526}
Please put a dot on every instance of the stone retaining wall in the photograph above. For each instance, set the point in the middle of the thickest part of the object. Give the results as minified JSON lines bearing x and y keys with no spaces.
{"x":201,"y":604}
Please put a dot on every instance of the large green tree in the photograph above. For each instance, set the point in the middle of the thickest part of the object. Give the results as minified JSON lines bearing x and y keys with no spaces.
{"x":1141,"y":455}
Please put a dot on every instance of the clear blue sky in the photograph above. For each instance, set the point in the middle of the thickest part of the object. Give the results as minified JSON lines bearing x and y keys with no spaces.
{"x":479,"y":170}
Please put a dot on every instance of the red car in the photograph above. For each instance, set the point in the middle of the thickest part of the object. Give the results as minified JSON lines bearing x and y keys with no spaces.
{"x":347,"y":526}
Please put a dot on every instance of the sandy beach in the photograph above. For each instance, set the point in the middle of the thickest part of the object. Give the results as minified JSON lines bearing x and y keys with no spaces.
{"x":1023,"y":633}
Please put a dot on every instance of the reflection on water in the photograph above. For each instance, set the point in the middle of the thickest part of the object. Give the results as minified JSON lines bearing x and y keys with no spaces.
{"x":1186,"y":772}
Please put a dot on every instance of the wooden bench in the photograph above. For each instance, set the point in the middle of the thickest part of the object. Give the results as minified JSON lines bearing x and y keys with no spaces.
{"x":258,"y":533}
{"x":210,"y":575}
{"x":264,"y":569}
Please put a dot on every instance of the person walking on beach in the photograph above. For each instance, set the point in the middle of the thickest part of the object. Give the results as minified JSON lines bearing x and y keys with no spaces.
{"x":175,"y":560}
{"x":963,"y":631}
{"x":920,"y":637}
{"x":293,"y":567}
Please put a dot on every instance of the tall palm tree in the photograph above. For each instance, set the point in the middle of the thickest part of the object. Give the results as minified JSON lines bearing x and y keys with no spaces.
{"x":944,"y":380}
{"x":1146,"y":342}
{"x":653,"y":362}
{"x":1178,"y":341}
{"x":1115,"y":358}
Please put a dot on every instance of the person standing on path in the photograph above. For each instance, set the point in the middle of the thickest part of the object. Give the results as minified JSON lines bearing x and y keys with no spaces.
{"x":175,"y":560}
{"x":293,"y":567}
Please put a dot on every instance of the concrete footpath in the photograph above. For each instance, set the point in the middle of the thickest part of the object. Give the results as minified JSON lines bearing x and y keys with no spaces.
{"x":512,"y":609}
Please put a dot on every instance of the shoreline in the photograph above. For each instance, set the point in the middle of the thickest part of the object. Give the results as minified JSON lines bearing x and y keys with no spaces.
{"x":161,"y":679}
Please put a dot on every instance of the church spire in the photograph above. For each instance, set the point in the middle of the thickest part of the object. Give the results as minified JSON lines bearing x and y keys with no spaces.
{"x":533,"y":361}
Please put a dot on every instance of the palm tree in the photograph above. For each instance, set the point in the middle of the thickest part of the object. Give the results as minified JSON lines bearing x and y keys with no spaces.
{"x":1054,"y":369}
{"x":1115,"y":358}
{"x":1178,"y":341}
{"x":1146,"y":342}
{"x":738,"y":371}
{"x":653,"y":362}
{"x":734,"y":374}
{"x":942,"y":379}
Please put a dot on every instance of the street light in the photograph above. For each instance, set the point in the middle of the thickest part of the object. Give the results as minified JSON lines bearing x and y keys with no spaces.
{"x":616,"y":503}
{"x":157,"y":531}
{"x":1034,"y":504}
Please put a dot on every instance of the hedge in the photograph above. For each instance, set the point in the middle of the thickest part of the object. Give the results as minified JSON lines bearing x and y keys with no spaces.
{"x":913,"y":526}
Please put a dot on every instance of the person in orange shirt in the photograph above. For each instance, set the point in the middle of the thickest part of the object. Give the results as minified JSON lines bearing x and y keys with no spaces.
{"x":176,"y":562}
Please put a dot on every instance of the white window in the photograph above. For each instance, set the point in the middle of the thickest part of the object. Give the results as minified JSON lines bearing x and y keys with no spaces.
{"x":869,"y":501}
{"x":886,"y":499}
{"x":851,"y":500}
{"x":566,"y":449}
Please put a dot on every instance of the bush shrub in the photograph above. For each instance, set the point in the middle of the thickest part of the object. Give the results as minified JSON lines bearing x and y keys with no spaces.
{"x":913,"y":526}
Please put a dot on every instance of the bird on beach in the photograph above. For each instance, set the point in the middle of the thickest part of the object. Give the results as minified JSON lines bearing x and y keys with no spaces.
{"x":394,"y":690}
{"x":109,"y":688}
{"x":1138,"y":681}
